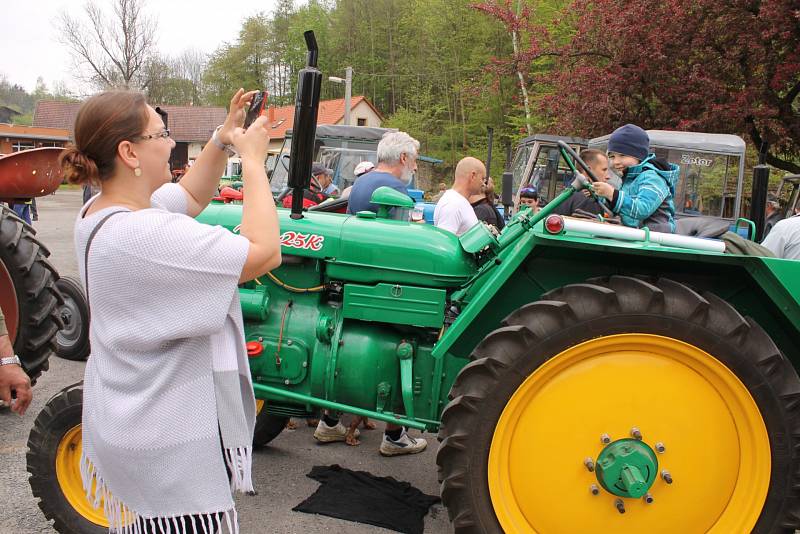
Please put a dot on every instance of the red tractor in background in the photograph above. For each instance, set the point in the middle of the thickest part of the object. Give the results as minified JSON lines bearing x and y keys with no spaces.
{"x":29,"y":296}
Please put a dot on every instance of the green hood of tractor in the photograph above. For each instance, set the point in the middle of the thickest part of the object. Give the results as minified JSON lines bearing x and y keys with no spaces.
{"x":365,"y":250}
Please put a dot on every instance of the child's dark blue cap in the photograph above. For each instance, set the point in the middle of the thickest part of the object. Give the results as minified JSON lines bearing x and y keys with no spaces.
{"x":630,"y":140}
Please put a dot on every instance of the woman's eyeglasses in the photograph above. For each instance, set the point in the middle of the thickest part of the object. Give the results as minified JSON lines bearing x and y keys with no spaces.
{"x":162,"y":134}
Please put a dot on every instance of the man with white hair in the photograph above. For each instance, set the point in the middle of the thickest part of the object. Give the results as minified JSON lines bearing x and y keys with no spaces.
{"x":397,"y":163}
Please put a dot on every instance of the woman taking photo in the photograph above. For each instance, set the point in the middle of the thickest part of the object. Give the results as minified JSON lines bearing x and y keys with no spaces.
{"x":168,"y":407}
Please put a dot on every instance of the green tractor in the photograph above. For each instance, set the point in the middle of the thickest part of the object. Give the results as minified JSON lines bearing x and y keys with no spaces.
{"x":582,"y":377}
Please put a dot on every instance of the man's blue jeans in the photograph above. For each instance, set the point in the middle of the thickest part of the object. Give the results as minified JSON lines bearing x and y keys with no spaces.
{"x":23,"y":211}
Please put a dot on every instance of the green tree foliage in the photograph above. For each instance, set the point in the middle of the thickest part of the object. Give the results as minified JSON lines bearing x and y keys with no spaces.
{"x":421,"y":63}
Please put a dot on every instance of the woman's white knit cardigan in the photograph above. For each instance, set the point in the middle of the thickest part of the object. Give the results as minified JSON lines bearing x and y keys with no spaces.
{"x":168,"y":374}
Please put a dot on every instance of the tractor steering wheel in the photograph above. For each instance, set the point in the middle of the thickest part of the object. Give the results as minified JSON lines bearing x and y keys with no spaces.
{"x":566,"y":152}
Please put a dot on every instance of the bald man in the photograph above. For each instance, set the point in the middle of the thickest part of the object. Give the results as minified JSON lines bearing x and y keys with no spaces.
{"x":453,"y":212}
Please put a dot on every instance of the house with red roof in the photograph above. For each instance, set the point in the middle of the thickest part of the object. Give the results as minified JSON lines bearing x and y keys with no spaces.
{"x":362,"y":113}
{"x":14,"y":137}
{"x":191,"y":126}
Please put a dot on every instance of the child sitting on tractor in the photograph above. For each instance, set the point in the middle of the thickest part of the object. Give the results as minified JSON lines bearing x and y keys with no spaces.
{"x":648,"y":183}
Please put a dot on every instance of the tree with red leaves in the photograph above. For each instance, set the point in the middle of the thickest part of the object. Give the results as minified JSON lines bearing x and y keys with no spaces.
{"x":705,"y":65}
{"x":531,"y":42}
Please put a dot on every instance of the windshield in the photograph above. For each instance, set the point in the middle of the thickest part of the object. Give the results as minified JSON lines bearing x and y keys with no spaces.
{"x":280,"y":168}
{"x":707,"y":184}
{"x":549,"y":173}
{"x":518,"y":165}
{"x":343,"y":161}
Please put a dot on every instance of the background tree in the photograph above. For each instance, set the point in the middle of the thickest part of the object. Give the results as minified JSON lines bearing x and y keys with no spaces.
{"x":113,"y":49}
{"x":728,"y":67}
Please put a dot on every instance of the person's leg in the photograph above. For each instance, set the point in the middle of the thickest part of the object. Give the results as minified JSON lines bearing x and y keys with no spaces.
{"x":330,"y":429}
{"x":396,"y":442}
{"x":23,"y":211}
{"x":193,"y":523}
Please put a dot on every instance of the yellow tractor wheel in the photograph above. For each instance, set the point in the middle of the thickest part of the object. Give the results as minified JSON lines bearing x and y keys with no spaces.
{"x":625,"y":406}
{"x":54,"y":450}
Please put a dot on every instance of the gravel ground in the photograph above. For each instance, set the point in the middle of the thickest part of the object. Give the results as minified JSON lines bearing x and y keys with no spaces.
{"x":279,"y":470}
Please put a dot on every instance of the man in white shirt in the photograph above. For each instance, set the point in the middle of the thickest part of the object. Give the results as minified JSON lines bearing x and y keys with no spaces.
{"x":784,"y":239}
{"x":453,"y":212}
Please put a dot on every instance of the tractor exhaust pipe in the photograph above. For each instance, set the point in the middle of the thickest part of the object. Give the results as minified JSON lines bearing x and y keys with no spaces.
{"x":306,"y":105}
{"x":758,"y":198}
{"x":507,"y":194}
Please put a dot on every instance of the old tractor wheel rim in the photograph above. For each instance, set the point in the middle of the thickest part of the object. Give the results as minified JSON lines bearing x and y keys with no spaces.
{"x":8,"y":302}
{"x":675,"y":397}
{"x":69,"y":335}
{"x":68,"y":461}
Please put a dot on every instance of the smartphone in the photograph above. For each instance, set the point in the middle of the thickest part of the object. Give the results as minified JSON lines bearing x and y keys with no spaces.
{"x":257,"y":107}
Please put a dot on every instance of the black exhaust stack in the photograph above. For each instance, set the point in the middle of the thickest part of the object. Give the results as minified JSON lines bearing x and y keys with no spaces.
{"x":758,"y":198}
{"x":507,"y":195}
{"x":306,"y":105}
{"x":490,"y":132}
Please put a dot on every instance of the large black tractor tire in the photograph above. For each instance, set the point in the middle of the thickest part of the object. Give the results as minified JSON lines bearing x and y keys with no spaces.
{"x":28,"y":296}
{"x":506,"y":360}
{"x":268,"y":426}
{"x":73,"y":339}
{"x":55,"y":441}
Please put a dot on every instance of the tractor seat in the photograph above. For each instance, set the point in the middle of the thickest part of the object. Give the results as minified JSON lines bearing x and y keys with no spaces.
{"x":332,"y":205}
{"x":229,"y":194}
{"x":701,"y":226}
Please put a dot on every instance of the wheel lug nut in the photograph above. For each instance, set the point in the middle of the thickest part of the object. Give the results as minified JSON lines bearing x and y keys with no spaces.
{"x":594,"y":489}
{"x":666,"y":476}
{"x":636,"y":433}
{"x":605,"y":439}
{"x":620,"y":506}
{"x":589,"y":463}
{"x":648,"y":498}
{"x":660,"y":448}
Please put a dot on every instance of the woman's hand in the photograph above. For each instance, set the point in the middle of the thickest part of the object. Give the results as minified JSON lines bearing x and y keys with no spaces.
{"x":236,"y":114}
{"x":603,"y":189}
{"x":253,"y":143}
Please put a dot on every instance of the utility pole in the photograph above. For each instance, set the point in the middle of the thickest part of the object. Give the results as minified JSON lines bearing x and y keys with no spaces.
{"x":348,"y":90}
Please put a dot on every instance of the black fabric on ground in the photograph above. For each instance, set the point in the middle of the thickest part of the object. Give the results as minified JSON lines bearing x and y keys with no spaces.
{"x":364,"y":498}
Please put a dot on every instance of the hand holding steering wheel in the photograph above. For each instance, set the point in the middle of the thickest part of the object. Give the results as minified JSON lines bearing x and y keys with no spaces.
{"x":567,"y":151}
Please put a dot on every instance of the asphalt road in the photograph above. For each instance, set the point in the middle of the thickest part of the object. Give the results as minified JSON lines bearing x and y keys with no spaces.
{"x":279,"y":470}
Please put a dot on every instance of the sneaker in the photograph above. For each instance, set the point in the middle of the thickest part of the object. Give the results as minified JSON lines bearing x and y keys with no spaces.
{"x":405,"y":445}
{"x":329,"y":434}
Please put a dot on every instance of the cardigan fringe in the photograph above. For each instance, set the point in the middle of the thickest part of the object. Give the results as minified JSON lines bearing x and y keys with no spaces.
{"x":123,"y":520}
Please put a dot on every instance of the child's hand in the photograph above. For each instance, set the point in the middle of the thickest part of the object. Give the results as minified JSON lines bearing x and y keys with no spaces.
{"x":603,"y":189}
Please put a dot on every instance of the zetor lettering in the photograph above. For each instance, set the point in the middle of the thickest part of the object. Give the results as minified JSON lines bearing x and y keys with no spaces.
{"x":297,"y":240}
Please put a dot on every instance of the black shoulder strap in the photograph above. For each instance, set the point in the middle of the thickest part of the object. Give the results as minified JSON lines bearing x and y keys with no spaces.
{"x":86,"y":256}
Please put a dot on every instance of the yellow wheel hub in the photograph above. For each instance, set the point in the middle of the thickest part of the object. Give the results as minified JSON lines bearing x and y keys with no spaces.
{"x":716,"y":447}
{"x":68,"y":458}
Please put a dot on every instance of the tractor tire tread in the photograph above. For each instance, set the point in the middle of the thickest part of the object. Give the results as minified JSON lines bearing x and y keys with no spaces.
{"x":26,"y":261}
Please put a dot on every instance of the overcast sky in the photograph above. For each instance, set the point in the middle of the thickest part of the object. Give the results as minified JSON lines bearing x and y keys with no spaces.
{"x":30,"y":47}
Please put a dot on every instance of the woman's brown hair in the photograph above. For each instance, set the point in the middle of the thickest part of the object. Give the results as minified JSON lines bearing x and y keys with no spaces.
{"x":102,"y":123}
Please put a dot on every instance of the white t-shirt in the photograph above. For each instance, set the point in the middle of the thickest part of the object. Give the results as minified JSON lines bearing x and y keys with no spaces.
{"x":454,"y":213}
{"x":784,"y":239}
